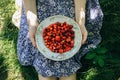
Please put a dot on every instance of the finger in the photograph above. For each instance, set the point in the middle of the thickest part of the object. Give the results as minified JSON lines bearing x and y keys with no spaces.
{"x":33,"y":41}
{"x":32,"y":31}
{"x":32,"y":38}
{"x":84,"y":38}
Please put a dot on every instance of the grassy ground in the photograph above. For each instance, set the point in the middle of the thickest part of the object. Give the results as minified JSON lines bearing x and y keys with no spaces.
{"x":10,"y":68}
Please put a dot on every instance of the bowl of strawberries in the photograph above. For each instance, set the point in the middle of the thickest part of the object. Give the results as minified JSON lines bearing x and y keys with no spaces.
{"x":58,"y":38}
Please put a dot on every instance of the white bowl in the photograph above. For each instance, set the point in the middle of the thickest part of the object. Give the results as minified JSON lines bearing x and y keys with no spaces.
{"x":48,"y":53}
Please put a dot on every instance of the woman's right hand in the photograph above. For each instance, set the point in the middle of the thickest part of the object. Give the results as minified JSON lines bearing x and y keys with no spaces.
{"x":33,"y":24}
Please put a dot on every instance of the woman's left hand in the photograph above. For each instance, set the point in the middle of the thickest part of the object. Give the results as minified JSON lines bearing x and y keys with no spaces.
{"x":84,"y":34}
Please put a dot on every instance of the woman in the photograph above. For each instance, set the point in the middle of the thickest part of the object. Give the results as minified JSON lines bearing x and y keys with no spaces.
{"x":33,"y":12}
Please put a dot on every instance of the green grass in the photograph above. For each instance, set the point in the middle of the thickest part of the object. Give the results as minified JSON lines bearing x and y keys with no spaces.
{"x":11,"y":69}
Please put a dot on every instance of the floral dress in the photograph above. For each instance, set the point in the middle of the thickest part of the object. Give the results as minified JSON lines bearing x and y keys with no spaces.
{"x":28,"y":55}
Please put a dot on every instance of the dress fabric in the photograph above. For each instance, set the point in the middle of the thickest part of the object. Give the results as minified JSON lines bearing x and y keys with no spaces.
{"x":28,"y":55}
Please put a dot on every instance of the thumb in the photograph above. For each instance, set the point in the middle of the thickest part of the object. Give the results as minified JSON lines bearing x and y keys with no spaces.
{"x":84,"y":38}
{"x":33,"y":41}
{"x":32,"y":38}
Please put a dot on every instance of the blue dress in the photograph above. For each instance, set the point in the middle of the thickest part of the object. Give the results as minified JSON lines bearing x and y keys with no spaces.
{"x":28,"y":55}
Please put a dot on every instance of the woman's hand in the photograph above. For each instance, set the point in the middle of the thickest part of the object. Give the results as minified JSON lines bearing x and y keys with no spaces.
{"x":84,"y":34}
{"x":32,"y":32}
{"x":33,"y":24}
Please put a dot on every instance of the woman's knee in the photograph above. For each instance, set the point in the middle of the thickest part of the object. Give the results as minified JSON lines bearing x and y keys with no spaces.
{"x":71,"y":77}
{"x":46,"y":78}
